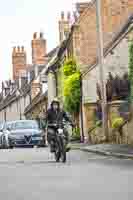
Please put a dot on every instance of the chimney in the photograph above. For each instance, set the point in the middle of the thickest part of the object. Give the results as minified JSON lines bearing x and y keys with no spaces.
{"x":39,"y":50}
{"x":64,"y":26}
{"x":19,"y":61}
{"x":36,"y":88}
{"x":81,"y":7}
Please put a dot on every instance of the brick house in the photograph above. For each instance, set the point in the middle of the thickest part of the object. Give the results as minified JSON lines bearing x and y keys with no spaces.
{"x":81,"y":42}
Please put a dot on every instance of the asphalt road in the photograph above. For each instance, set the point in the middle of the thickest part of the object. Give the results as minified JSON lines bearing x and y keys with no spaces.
{"x":32,"y":174}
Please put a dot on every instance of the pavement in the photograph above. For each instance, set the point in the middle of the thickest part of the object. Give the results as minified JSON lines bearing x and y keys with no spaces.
{"x":33,"y":174}
{"x":116,"y":150}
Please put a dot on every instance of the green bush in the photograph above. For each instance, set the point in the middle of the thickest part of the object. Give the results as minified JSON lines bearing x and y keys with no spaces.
{"x":98,"y":123}
{"x":76,"y":133}
{"x":117,"y":123}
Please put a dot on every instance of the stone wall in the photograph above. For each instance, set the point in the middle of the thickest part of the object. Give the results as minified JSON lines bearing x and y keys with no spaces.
{"x":127,"y":133}
{"x":95,"y":133}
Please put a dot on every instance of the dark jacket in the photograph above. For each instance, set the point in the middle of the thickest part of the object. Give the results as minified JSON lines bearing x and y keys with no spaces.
{"x":53,"y":116}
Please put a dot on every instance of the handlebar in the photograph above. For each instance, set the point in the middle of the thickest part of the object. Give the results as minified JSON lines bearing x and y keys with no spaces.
{"x":59,"y":124}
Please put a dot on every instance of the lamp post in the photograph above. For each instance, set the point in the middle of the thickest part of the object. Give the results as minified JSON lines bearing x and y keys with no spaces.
{"x":101,"y":65}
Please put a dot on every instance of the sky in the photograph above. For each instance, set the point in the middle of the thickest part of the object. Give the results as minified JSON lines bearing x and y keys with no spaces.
{"x":19,"y":19}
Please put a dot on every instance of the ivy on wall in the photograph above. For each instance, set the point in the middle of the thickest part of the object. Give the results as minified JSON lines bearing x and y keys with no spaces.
{"x":71,"y":86}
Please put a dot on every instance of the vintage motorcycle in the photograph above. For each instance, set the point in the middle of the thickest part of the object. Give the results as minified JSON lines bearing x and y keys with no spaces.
{"x":57,"y":137}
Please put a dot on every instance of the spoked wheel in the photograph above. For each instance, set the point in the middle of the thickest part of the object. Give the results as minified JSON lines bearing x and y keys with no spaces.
{"x":63,"y":156}
{"x":57,"y":155}
{"x":63,"y":151}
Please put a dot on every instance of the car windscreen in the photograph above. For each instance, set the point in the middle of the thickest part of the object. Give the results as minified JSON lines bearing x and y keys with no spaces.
{"x":25,"y":125}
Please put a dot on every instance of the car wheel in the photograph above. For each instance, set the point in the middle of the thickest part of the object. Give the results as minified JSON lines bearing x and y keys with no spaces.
{"x":4,"y":143}
{"x":10,"y":145}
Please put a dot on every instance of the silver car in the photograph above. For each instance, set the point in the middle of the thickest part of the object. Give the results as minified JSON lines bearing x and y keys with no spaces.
{"x":23,"y":133}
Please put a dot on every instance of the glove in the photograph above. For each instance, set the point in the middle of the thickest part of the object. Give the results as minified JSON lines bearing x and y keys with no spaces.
{"x":73,"y":125}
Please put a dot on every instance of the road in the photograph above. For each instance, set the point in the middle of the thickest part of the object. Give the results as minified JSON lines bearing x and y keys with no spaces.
{"x":32,"y":174}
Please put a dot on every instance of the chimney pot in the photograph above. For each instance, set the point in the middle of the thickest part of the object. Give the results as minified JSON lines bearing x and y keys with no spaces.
{"x":41,"y":35}
{"x":62,"y":15}
{"x":68,"y":16}
{"x":35,"y":35}
{"x":14,"y":49}
{"x":18,"y":48}
{"x":22,"y":48}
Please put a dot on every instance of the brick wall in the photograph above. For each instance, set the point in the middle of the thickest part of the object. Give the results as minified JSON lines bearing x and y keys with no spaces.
{"x":39,"y":50}
{"x":19,"y":61}
{"x":114,"y":14}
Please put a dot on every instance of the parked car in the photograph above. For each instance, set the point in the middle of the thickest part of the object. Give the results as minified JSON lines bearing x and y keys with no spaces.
{"x":23,"y":133}
{"x":5,"y":134}
{"x":1,"y":133}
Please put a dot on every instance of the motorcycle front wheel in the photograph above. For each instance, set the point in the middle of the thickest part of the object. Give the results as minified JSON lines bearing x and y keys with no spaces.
{"x":63,"y":151}
{"x":57,"y":154}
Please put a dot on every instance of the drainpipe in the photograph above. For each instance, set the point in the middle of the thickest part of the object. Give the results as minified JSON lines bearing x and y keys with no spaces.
{"x":81,"y":112}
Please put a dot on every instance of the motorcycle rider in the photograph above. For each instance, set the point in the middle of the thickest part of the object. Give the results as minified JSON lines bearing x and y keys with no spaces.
{"x":56,"y":115}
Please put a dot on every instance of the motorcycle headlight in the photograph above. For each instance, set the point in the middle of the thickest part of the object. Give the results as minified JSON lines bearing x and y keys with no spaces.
{"x":60,"y":131}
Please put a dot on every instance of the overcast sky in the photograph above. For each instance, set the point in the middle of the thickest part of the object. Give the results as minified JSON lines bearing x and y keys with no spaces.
{"x":20,"y":18}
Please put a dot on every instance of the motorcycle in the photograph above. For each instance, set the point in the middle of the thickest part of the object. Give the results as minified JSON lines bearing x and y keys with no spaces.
{"x":59,"y":139}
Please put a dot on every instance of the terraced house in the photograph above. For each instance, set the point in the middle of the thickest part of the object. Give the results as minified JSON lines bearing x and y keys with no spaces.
{"x":18,"y":94}
{"x":81,"y":43}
